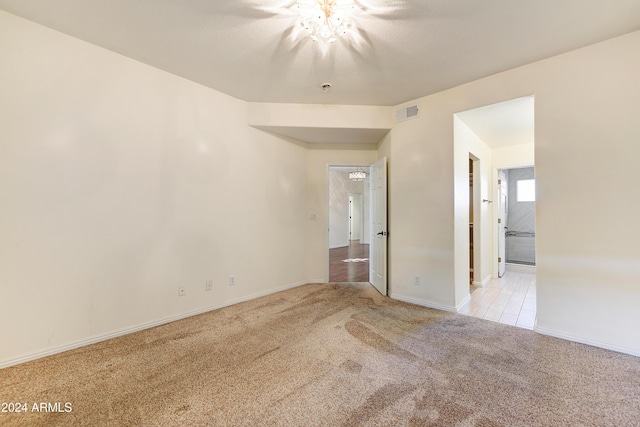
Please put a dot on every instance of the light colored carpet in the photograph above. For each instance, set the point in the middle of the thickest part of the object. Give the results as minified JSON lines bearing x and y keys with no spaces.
{"x":330,"y":355}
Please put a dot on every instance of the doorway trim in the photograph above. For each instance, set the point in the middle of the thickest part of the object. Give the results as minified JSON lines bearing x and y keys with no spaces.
{"x":475,"y":205}
{"x":328,"y":207}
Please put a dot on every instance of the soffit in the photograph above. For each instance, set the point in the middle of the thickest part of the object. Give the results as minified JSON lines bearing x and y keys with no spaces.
{"x":503,"y":124}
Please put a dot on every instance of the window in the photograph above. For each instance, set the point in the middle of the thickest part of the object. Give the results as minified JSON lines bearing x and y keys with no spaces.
{"x":526,"y":190}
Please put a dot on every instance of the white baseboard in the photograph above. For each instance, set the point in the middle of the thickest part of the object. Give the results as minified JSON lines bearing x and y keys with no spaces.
{"x":520,"y":268}
{"x":339,"y":246}
{"x":464,"y":302}
{"x":429,"y":304}
{"x":103,"y":337}
{"x":581,"y":340}
{"x":483,"y":283}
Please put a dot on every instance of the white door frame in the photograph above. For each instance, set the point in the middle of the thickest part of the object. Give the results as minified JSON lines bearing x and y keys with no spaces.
{"x":328,"y":224}
{"x":501,"y":222}
{"x":371,"y":232}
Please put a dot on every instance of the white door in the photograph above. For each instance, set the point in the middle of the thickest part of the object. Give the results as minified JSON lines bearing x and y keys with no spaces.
{"x":350,"y":219}
{"x":378,"y":245}
{"x":502,"y":222}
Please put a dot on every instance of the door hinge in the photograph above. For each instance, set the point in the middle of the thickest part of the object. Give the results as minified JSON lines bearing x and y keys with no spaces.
{"x":499,"y":259}
{"x":499,"y":220}
{"x":499,"y":181}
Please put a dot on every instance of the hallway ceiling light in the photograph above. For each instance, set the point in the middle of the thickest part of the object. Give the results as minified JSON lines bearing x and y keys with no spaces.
{"x":325,"y":19}
{"x":358,"y":175}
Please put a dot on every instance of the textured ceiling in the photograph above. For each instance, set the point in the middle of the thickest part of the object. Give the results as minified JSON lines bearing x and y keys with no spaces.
{"x":399,"y":50}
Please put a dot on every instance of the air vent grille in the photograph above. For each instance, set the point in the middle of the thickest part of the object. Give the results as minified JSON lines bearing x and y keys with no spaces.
{"x":406,"y":113}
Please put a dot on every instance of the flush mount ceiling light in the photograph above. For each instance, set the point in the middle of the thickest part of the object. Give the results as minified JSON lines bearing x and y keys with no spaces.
{"x":325,"y":19}
{"x":358,"y":175}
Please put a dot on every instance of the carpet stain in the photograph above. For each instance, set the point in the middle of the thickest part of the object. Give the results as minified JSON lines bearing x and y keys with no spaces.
{"x":267,"y":352}
{"x":322,"y":291}
{"x":182,"y":409}
{"x":377,"y":402}
{"x":270,"y":304}
{"x":446,"y":412}
{"x":166,"y":340}
{"x":376,"y":341}
{"x":486,"y":422}
{"x":351,"y":366}
{"x":304,"y":304}
{"x":329,"y":311}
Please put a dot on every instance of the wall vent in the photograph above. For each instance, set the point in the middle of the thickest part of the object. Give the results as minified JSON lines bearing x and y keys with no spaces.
{"x":406,"y":113}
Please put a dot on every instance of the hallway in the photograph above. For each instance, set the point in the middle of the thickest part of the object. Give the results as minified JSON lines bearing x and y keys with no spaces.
{"x":349,"y":263}
{"x":510,"y":300}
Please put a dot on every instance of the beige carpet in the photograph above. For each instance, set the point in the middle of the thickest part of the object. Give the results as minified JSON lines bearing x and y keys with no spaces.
{"x":330,"y":355}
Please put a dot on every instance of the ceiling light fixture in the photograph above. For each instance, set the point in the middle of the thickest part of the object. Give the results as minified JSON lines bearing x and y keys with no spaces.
{"x":325,"y":19}
{"x":358,"y":175}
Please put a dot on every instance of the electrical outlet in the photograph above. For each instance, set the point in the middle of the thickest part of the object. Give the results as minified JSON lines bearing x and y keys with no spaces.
{"x":181,"y":291}
{"x":208,"y":285}
{"x":232,"y":280}
{"x":417,"y":281}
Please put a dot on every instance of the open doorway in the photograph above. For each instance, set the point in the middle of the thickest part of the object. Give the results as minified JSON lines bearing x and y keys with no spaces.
{"x":475,"y":212}
{"x":470,"y":221}
{"x":349,"y":224}
{"x":517,"y":231}
{"x":371,"y":183}
{"x":502,"y":136}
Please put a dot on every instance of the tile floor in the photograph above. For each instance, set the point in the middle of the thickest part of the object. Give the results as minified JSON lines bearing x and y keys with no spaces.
{"x":510,"y":300}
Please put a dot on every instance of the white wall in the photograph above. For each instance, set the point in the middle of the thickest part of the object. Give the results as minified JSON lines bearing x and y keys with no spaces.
{"x":120,"y":182}
{"x":338,"y":210}
{"x":467,"y":143}
{"x":356,"y":216}
{"x":421,"y":205}
{"x":587,"y":153}
{"x":514,"y":156}
{"x":586,"y":156}
{"x":340,"y":187}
